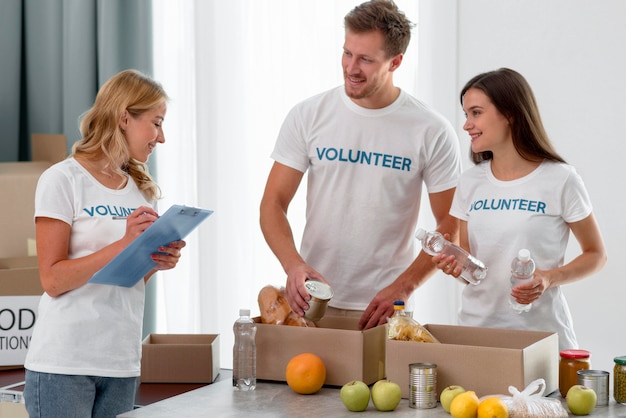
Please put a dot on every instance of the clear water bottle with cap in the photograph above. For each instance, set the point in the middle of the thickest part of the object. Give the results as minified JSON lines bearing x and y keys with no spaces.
{"x":472,"y":269}
{"x":244,"y":352}
{"x":522,"y":271}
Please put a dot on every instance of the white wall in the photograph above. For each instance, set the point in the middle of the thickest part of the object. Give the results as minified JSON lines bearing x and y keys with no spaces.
{"x":572,"y":53}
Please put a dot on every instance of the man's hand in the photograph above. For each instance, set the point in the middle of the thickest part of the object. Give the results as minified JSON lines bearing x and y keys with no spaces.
{"x":381,"y":307}
{"x":297,"y":294}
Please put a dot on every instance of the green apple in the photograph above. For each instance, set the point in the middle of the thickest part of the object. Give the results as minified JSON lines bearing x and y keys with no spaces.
{"x":386,"y":395}
{"x":355,"y":395}
{"x":581,"y":400}
{"x":448,"y":394}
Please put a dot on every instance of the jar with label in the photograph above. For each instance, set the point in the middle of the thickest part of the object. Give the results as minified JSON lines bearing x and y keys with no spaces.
{"x":571,"y":362}
{"x":619,"y":380}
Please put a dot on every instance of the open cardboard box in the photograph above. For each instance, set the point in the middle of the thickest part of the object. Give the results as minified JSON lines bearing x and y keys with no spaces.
{"x":348,"y":353}
{"x":180,"y":358}
{"x":484,"y":360}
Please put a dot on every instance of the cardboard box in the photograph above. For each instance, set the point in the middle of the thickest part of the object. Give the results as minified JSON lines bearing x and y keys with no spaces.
{"x":20,"y":291}
{"x":180,"y":358}
{"x":12,"y":410}
{"x":18,"y":181}
{"x":484,"y":360}
{"x":349,"y":354}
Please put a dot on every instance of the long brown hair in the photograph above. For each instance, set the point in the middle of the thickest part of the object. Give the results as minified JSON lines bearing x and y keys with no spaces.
{"x":131,"y":91}
{"x":512,"y":96}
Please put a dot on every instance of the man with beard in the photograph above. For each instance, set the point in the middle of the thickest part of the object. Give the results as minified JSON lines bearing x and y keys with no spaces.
{"x":368,"y":147}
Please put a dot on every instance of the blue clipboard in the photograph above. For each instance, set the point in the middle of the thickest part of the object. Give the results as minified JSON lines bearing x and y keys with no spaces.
{"x":134,"y":262}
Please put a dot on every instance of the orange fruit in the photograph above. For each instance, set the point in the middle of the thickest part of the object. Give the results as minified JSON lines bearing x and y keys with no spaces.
{"x":465,"y":405}
{"x":492,"y":407}
{"x":305,"y":373}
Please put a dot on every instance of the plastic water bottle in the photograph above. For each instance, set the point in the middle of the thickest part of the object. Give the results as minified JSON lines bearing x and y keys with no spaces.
{"x":472,"y":269}
{"x":522,"y":271}
{"x":244,"y":352}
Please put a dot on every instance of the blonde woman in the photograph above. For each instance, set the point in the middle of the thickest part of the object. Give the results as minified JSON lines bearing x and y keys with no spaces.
{"x":85,"y":352}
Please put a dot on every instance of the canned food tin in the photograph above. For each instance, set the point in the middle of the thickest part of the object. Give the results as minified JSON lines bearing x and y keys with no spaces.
{"x":422,"y":385}
{"x":598,"y":380}
{"x":321,"y":293}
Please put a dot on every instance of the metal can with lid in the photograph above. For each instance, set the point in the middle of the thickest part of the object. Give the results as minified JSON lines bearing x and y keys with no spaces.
{"x":571,"y":362}
{"x":422,"y":385}
{"x":619,"y":379}
{"x":598,"y":380}
{"x":321,"y":293}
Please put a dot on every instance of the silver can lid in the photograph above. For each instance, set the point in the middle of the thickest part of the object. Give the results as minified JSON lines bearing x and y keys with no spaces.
{"x":318,"y":289}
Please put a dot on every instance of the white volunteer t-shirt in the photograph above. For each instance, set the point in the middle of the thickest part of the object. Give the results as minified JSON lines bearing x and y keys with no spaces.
{"x":365,"y":173}
{"x":94,"y":329}
{"x":505,"y":216}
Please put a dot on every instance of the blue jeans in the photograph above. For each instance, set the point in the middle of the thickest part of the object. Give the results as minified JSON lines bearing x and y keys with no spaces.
{"x":57,"y":395}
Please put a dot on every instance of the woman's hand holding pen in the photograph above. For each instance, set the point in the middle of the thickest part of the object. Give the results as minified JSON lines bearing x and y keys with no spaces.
{"x":139,"y":221}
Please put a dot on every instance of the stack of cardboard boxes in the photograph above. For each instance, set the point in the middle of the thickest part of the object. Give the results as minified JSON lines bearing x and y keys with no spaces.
{"x":20,"y":288}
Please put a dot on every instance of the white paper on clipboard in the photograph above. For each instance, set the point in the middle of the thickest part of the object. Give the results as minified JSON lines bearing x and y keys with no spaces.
{"x":134,"y":262}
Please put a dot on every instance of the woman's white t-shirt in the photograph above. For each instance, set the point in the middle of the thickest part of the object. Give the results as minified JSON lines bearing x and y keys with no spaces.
{"x":503,"y":217}
{"x":94,"y":329}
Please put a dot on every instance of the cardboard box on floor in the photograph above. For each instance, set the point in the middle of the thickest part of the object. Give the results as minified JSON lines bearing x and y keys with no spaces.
{"x":180,"y":358}
{"x":484,"y":360}
{"x":348,"y":354}
{"x":18,"y":181}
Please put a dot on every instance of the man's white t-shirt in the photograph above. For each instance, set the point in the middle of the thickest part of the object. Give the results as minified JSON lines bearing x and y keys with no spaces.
{"x":505,"y":216}
{"x":94,"y":329}
{"x":365,"y":173}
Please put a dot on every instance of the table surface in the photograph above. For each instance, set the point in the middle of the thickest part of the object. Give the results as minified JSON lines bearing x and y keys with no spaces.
{"x":276,"y":399}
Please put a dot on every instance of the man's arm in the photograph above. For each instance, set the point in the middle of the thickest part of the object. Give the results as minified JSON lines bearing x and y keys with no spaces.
{"x":282,"y":184}
{"x":381,"y":307}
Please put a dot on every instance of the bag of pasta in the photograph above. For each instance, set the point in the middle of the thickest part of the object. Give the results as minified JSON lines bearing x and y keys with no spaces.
{"x":404,"y":328}
{"x":531,"y":403}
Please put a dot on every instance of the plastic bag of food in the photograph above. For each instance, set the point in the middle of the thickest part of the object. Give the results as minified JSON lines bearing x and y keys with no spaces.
{"x":275,"y":308}
{"x":531,"y":403}
{"x":405,"y":328}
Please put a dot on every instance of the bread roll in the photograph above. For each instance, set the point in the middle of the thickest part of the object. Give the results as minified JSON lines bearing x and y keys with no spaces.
{"x":273,"y":305}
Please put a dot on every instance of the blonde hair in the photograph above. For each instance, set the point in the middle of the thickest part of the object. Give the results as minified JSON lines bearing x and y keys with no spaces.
{"x":130,"y":91}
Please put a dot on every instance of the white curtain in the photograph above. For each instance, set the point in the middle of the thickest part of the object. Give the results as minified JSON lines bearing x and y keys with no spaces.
{"x":233,"y":69}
